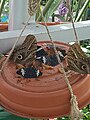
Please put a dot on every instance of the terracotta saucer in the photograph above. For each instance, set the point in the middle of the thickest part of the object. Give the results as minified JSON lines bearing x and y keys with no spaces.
{"x":44,"y":97}
{"x":52,"y":23}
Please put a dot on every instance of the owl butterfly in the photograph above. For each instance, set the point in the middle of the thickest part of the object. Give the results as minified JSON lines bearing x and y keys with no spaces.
{"x":25,"y":53}
{"x":77,"y":60}
{"x":33,"y":6}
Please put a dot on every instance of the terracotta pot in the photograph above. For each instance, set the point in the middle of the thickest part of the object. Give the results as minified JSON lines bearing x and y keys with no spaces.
{"x":52,"y":23}
{"x":44,"y":97}
{"x":3,"y":27}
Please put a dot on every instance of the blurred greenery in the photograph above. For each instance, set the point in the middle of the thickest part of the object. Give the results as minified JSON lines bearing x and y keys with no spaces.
{"x":4,"y":115}
{"x":1,"y":55}
{"x":85,"y":111}
{"x":49,"y":9}
{"x":80,"y":10}
{"x":4,"y":10}
{"x":85,"y":44}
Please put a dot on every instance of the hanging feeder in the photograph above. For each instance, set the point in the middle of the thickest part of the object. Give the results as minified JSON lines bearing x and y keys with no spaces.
{"x":45,"y":97}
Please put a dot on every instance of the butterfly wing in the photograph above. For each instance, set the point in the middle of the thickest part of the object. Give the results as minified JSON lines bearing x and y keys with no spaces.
{"x":78,"y":60}
{"x":25,"y":52}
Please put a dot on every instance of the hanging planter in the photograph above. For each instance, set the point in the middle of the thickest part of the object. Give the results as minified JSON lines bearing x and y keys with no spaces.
{"x":45,"y":97}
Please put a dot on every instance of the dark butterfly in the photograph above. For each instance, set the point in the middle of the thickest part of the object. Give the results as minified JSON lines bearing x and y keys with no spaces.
{"x":29,"y":72}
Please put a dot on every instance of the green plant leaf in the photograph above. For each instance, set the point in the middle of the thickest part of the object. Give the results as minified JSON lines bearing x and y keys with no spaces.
{"x":2,"y":6}
{"x":78,"y":8}
{"x":4,"y":115}
{"x":82,"y":10}
{"x":49,"y":9}
{"x":52,"y":8}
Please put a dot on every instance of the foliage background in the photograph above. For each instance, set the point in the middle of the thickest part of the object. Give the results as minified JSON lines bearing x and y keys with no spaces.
{"x":81,"y":11}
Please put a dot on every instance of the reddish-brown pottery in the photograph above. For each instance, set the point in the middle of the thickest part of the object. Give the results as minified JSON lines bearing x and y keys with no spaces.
{"x":45,"y":97}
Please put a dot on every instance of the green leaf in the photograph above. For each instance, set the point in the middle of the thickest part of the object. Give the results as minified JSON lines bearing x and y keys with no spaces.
{"x":2,"y":7}
{"x":82,"y":10}
{"x":78,"y":8}
{"x":4,"y":115}
{"x":52,"y":8}
{"x":49,"y":9}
